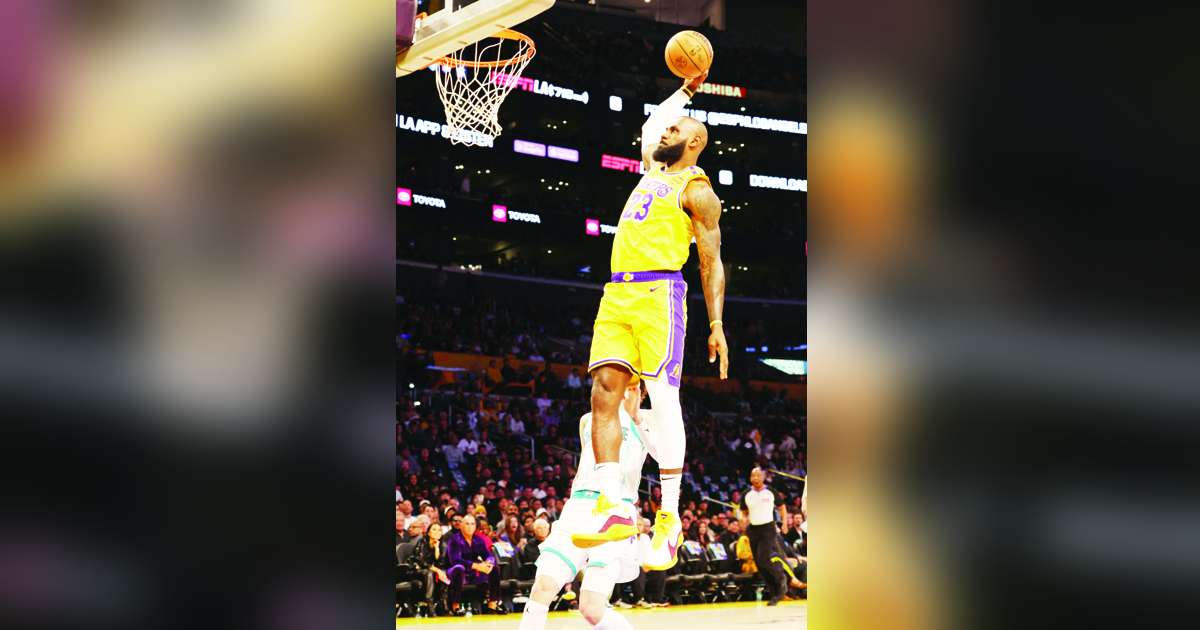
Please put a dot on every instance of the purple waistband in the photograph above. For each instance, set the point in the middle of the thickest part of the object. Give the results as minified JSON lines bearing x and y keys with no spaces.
{"x":646,"y":276}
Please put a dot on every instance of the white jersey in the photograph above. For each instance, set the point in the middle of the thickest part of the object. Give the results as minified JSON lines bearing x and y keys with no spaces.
{"x":761,"y":505}
{"x":632,"y":457}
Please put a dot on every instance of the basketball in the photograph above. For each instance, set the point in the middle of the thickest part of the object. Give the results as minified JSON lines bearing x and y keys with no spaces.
{"x":688,"y":54}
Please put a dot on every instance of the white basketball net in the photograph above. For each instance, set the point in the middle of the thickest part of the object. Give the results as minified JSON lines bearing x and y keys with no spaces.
{"x":473,"y":81}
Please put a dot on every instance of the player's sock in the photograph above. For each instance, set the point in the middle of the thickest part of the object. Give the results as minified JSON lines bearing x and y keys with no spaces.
{"x":608,"y":477}
{"x":534,"y":617}
{"x":612,"y":620}
{"x":670,"y":492}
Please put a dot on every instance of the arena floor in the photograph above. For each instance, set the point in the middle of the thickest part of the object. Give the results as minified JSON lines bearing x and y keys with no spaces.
{"x":732,"y":616}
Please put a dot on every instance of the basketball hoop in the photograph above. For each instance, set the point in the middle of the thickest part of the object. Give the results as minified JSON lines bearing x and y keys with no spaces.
{"x":473,"y":81}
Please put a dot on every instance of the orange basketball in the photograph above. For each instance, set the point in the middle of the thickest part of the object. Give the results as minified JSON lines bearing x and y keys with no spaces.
{"x":688,"y":54}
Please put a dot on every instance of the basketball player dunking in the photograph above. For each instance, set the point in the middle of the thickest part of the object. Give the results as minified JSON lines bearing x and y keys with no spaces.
{"x":640,"y":325}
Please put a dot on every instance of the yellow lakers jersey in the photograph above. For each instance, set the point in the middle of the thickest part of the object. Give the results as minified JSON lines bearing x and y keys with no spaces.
{"x":654,"y":231}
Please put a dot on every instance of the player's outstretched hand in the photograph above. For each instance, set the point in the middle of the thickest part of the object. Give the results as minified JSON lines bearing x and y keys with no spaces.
{"x":695,"y":83}
{"x":718,"y":348}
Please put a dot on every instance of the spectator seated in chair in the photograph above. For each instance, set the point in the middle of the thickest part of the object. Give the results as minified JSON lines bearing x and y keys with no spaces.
{"x":430,"y":558}
{"x":471,"y":562}
{"x":530,"y":551}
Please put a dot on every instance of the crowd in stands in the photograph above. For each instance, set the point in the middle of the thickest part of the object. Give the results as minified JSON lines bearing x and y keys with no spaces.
{"x":560,"y":332}
{"x":499,"y":467}
{"x":484,"y":439}
{"x":444,"y":552}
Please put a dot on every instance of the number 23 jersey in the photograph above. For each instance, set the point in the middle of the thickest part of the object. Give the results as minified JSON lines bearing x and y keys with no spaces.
{"x":655,"y":232}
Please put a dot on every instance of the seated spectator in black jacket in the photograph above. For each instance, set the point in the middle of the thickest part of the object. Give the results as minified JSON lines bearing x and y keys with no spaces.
{"x":429,"y":557}
{"x":733,"y":531}
{"x":508,"y":372}
{"x":792,"y":531}
{"x":530,"y":551}
{"x":547,"y":382}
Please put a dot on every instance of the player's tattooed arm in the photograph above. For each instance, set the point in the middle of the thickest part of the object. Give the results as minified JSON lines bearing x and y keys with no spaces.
{"x":705,"y":208}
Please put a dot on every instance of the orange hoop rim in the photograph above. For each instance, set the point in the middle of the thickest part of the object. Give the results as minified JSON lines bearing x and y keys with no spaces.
{"x":507,"y":33}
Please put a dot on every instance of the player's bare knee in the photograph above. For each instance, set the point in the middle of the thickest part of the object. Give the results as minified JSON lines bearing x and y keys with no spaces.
{"x":605,"y":383}
{"x":544,"y":589}
{"x":608,"y":387}
{"x":592,"y":607}
{"x":603,"y":397}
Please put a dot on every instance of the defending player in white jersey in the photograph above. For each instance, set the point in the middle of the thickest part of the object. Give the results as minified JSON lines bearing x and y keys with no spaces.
{"x":607,"y":564}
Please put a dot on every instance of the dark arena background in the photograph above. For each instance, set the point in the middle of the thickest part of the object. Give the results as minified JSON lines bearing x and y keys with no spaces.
{"x":502,"y":252}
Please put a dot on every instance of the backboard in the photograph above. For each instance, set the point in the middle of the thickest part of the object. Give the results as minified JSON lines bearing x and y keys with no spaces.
{"x":461,"y":23}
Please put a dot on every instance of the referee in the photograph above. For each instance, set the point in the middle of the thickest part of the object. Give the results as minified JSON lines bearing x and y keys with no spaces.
{"x":764,"y":538}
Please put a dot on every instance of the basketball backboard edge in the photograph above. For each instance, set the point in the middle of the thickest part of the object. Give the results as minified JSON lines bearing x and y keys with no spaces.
{"x":449,"y":30}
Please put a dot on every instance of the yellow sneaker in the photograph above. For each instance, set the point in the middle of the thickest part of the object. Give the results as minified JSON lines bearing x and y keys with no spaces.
{"x":610,"y":520}
{"x":665,"y":540}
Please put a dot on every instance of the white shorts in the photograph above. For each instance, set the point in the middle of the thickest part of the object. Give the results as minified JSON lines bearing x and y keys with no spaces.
{"x":608,"y":564}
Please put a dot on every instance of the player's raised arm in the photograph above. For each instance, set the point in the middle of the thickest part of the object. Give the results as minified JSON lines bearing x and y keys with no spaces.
{"x":705,"y":208}
{"x":668,"y":112}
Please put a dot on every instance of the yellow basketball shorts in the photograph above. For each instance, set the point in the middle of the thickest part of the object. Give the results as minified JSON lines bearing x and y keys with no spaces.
{"x":641,"y":324}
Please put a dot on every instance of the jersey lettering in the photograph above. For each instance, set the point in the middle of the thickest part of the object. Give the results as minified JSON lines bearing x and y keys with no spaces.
{"x":638,"y":207}
{"x":654,"y":232}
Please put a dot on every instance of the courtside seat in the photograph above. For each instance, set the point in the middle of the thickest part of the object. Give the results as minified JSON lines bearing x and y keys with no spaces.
{"x":409,"y":584}
{"x":722,"y":568}
{"x":691,"y":556}
{"x":510,"y":566}
{"x":674,"y":584}
{"x":745,"y":581}
{"x":695,"y":568}
{"x":691,"y":587}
